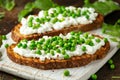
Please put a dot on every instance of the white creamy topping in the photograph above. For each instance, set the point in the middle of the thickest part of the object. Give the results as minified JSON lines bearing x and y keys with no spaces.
{"x":77,"y":52}
{"x":67,"y":22}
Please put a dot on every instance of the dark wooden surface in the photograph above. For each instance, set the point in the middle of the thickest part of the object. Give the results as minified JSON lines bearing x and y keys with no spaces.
{"x":10,"y":20}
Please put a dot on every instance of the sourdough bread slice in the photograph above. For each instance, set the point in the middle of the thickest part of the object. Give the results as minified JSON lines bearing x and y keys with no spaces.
{"x":74,"y":61}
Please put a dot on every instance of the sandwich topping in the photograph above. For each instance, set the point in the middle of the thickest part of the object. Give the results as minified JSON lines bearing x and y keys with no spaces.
{"x":56,"y":19}
{"x":60,"y":47}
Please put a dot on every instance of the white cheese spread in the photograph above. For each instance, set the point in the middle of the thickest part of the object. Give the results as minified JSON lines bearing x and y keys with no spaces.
{"x":70,"y":16}
{"x":78,"y":51}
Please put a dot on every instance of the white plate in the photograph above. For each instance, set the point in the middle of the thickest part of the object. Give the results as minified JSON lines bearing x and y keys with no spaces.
{"x":80,"y":73}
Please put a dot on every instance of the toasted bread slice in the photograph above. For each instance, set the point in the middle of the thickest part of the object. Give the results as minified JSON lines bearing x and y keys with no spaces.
{"x":74,"y":61}
{"x":17,"y":36}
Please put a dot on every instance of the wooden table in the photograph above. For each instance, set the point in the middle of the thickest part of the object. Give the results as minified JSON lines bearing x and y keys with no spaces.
{"x":10,"y":21}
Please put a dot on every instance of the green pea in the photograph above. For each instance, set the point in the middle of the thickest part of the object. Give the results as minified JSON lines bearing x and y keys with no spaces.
{"x":54,"y":20}
{"x":61,"y":20}
{"x":54,"y":38}
{"x":85,"y":35}
{"x":94,"y":77}
{"x":112,"y":66}
{"x":42,"y":20}
{"x":69,"y":14}
{"x":44,"y":47}
{"x":87,"y":16}
{"x":30,"y":19}
{"x":47,"y":51}
{"x":61,"y":44}
{"x":74,"y":41}
{"x":54,"y":43}
{"x":69,"y":44}
{"x":68,"y":11}
{"x":73,"y":44}
{"x":19,"y":45}
{"x":64,"y":40}
{"x":63,"y":51}
{"x":91,"y":43}
{"x":66,"y":56}
{"x":52,"y":15}
{"x":37,"y":20}
{"x":31,"y":47}
{"x":24,"y":46}
{"x":48,"y":41}
{"x":36,"y":26}
{"x":97,"y":40}
{"x":39,"y":46}
{"x":87,"y":41}
{"x":33,"y":41}
{"x":6,"y":45}
{"x":78,"y":13}
{"x":72,"y":33}
{"x":65,"y":45}
{"x":79,"y":41}
{"x":58,"y":50}
{"x":82,"y":40}
{"x":42,"y":40}
{"x":39,"y":42}
{"x":91,"y":37}
{"x":58,"y":10}
{"x":110,"y":61}
{"x":80,"y":32}
{"x":66,"y":73}
{"x":30,"y":23}
{"x":84,"y":48}
{"x":25,"y":40}
{"x":105,"y":40}
{"x":47,"y":19}
{"x":46,"y":13}
{"x":72,"y":49}
{"x":4,"y":37}
{"x":77,"y":35}
{"x":54,"y":47}
{"x":38,"y":52}
{"x":64,"y":14}
{"x":62,"y":8}
{"x":73,"y":15}
{"x":55,"y":14}
{"x":84,"y":13}
{"x":52,"y":52}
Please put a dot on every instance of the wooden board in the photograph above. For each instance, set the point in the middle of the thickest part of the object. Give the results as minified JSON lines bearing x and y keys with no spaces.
{"x":80,"y":73}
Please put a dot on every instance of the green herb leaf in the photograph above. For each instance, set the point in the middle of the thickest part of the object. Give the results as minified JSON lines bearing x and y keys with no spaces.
{"x":114,"y":39}
{"x":43,"y":4}
{"x":2,"y":14}
{"x":23,"y":13}
{"x":7,"y":4}
{"x":103,"y":7}
{"x":37,"y":4}
{"x":113,"y":31}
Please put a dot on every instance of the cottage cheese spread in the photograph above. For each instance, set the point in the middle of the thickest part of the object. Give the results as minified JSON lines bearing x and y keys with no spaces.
{"x":58,"y":55}
{"x":52,"y":19}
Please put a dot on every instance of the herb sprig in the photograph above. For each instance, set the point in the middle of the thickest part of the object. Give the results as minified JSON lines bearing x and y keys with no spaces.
{"x":7,"y":4}
{"x":2,"y":14}
{"x":112,"y":30}
{"x":37,"y":4}
{"x":104,"y":8}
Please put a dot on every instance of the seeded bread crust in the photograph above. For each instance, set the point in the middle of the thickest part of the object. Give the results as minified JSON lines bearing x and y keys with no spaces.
{"x":17,"y":36}
{"x":75,"y":61}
